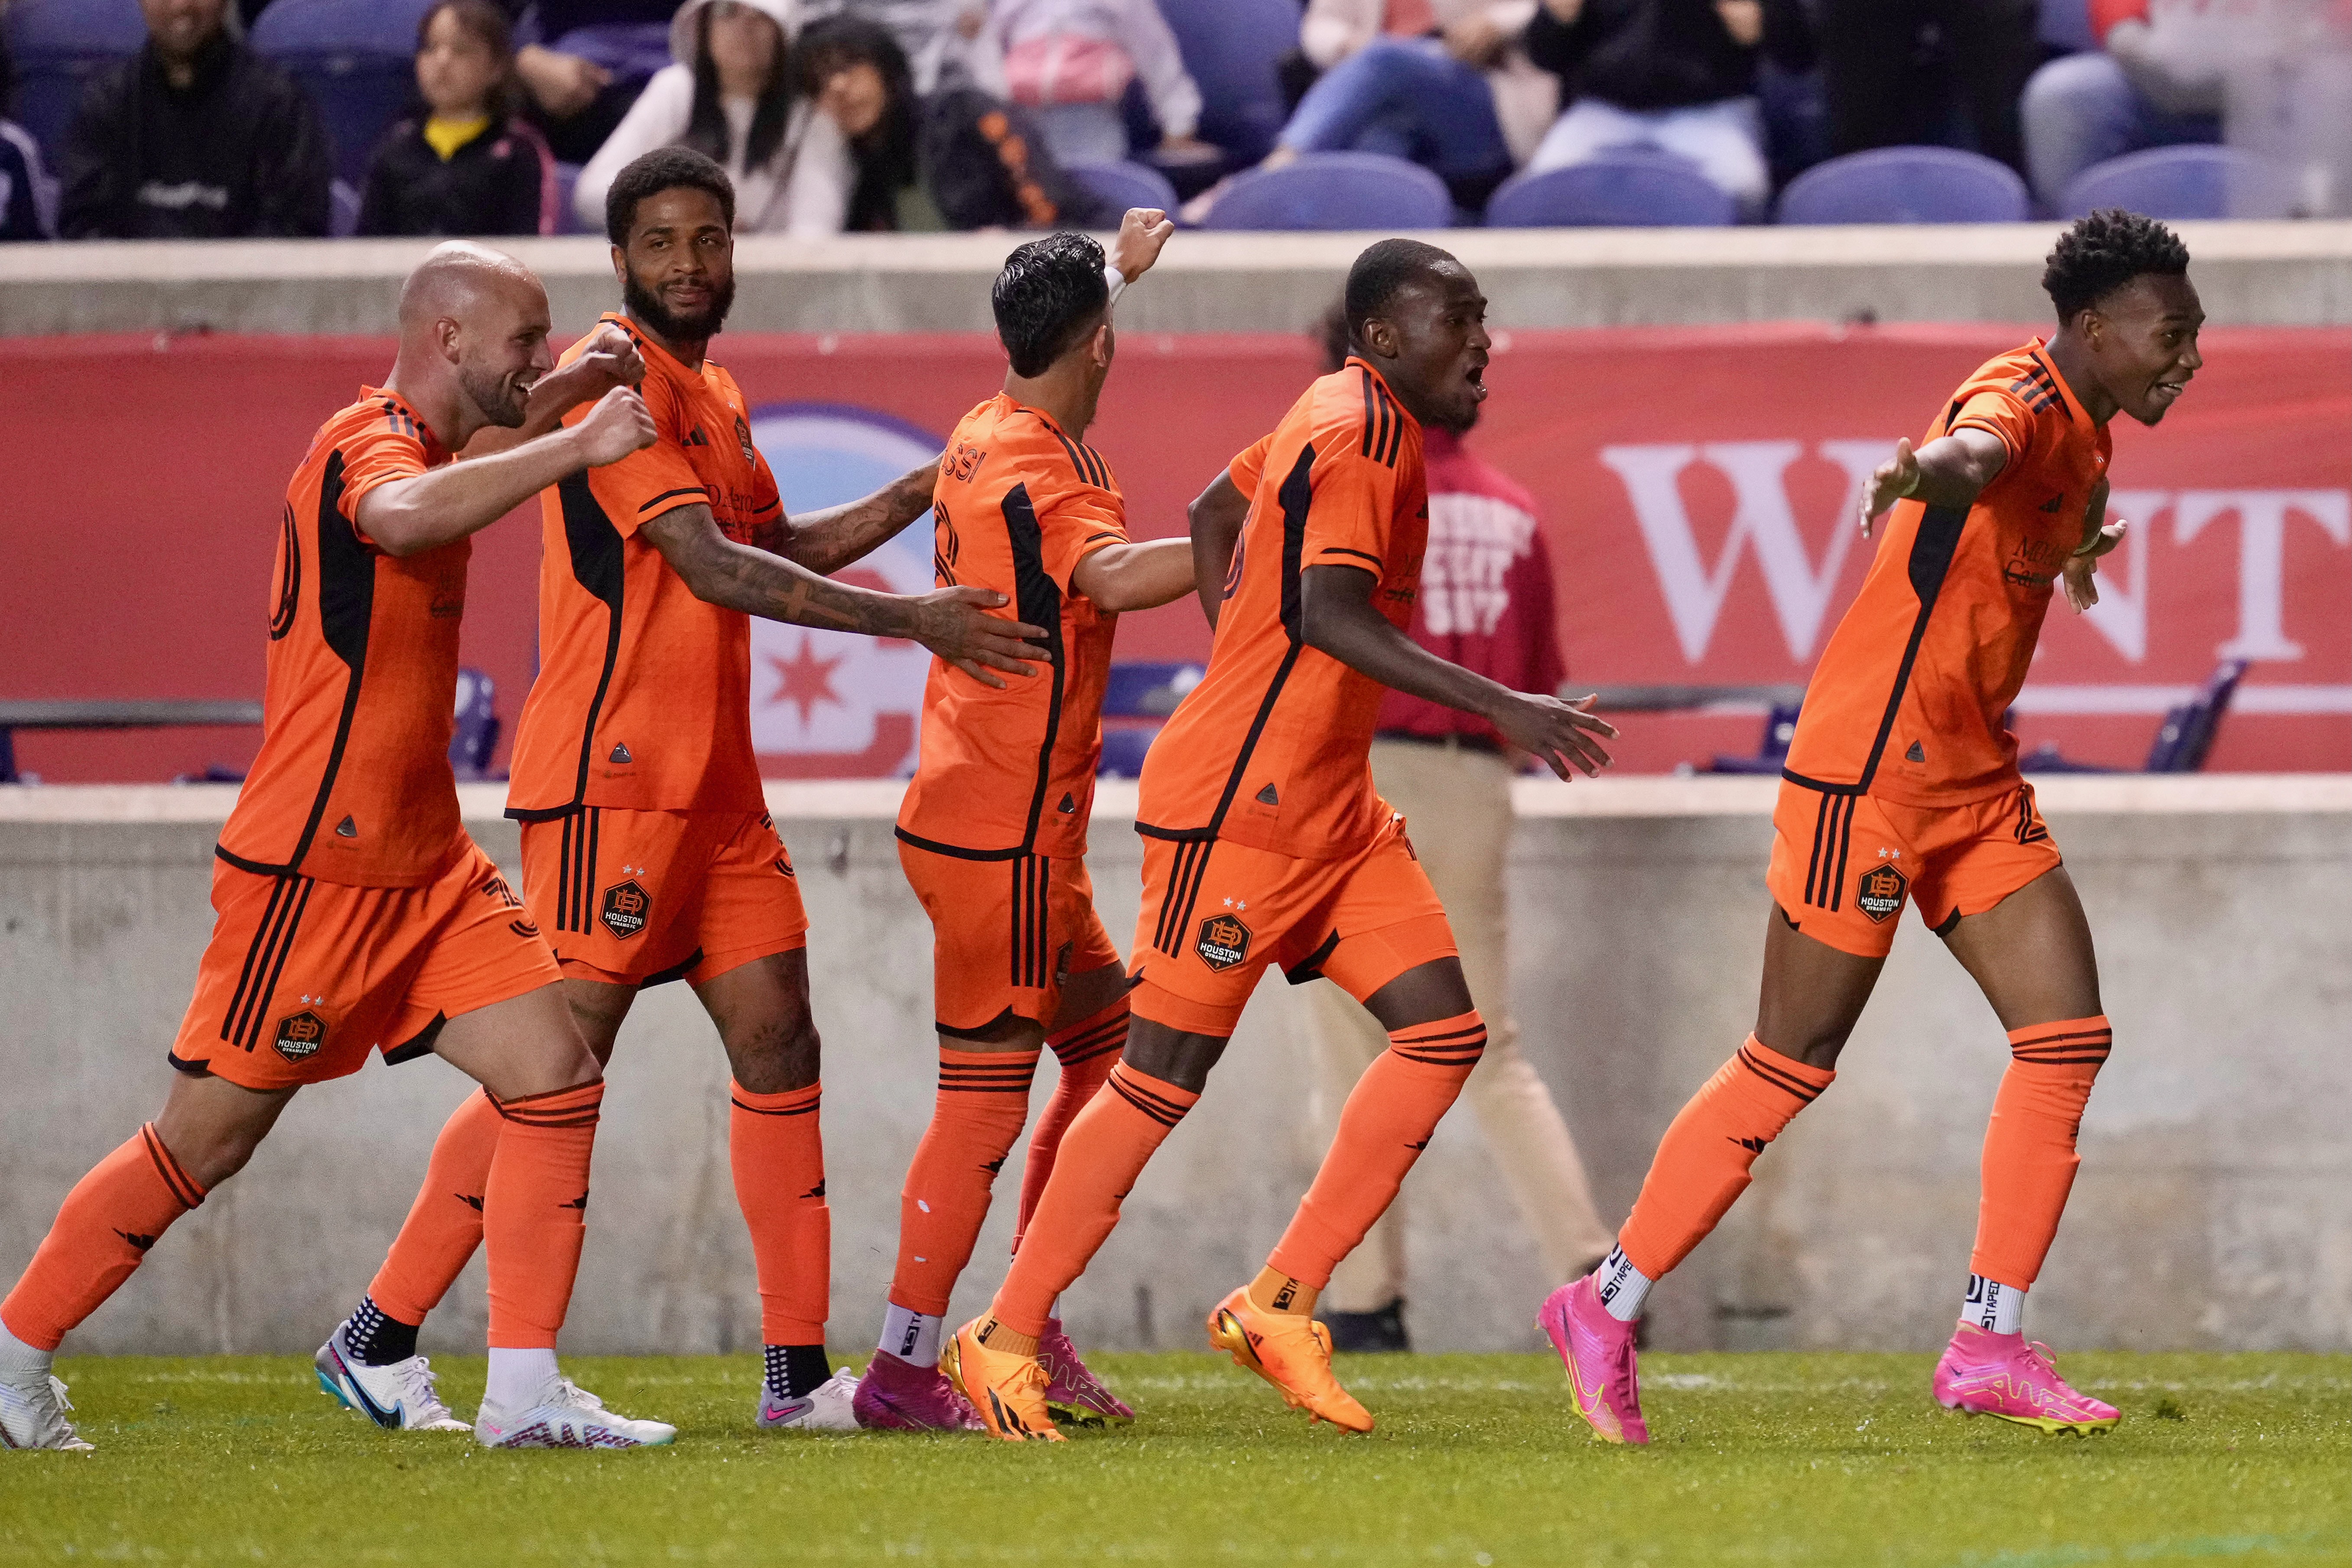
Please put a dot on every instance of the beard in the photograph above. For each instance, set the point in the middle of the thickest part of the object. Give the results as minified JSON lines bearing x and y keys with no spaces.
{"x":642,"y":305}
{"x":502,"y":403}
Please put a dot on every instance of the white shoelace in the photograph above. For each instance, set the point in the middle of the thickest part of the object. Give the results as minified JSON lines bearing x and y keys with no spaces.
{"x":422,"y":1394}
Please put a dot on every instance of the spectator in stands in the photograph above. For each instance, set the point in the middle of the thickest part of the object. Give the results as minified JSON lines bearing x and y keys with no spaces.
{"x":466,"y":164}
{"x":1678,"y":75}
{"x":818,"y":136}
{"x":194,"y":137}
{"x":21,"y":198}
{"x":1894,"y":68}
{"x":940,"y":39}
{"x":2156,"y":81}
{"x":594,"y":57}
{"x":1443,"y":82}
{"x":1068,"y":62}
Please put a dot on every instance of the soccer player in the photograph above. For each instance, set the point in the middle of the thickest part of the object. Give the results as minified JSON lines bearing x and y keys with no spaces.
{"x":1902,"y":786}
{"x":647,"y":849}
{"x":353,"y":913}
{"x":992,"y":832}
{"x":1265,"y":843}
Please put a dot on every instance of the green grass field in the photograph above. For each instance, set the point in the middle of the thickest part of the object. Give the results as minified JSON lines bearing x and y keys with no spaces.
{"x":1783,"y":1458}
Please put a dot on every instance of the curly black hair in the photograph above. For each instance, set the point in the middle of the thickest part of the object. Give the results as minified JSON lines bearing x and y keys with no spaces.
{"x":1047,"y":299}
{"x":663,"y":169}
{"x":1384,"y":268}
{"x":2104,"y":251}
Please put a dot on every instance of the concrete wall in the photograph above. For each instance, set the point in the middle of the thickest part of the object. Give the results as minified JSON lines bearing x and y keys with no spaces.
{"x":2250,"y":274}
{"x":2214,"y":1152}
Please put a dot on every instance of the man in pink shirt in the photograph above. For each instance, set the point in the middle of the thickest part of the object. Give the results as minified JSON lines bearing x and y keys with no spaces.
{"x":1486,"y":605}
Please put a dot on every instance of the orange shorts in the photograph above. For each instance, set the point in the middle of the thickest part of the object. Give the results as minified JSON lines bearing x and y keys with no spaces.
{"x":1215,"y":913}
{"x":303,"y":978}
{"x":1842,"y":864}
{"x":638,"y":898}
{"x":1006,"y":935}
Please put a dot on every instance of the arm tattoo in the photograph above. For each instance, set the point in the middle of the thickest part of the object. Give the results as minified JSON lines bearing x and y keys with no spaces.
{"x":825,"y":541}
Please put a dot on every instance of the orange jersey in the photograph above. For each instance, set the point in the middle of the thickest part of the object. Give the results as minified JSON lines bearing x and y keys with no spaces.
{"x":1273,"y":748}
{"x":353,"y":783}
{"x":643,"y":695}
{"x":1907,"y":701}
{"x":1011,"y":772}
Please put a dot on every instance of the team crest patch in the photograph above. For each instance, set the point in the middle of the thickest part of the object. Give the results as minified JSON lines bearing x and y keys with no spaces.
{"x":1225,"y":942}
{"x":1878,"y":893}
{"x":301,"y":1034}
{"x":743,"y":438}
{"x":623,"y":913}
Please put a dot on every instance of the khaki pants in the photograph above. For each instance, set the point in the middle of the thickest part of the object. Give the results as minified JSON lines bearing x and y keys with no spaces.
{"x":1457,"y":805}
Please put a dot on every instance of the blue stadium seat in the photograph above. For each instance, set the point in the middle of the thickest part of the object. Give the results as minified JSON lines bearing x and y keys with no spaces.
{"x":1230,"y":48}
{"x":1625,"y":187}
{"x":1336,"y":191}
{"x":1906,"y":184}
{"x":2066,"y":26}
{"x":57,"y":45}
{"x":356,"y":59}
{"x":1142,"y":694}
{"x":567,"y":179}
{"x":2190,"y":182}
{"x":1125,"y":185}
{"x":475,"y":739}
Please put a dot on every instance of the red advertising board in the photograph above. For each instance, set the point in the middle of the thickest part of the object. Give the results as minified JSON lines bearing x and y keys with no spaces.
{"x":1695,"y":485}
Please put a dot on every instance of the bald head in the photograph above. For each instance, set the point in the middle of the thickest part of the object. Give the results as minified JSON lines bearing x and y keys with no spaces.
{"x":477,"y":318}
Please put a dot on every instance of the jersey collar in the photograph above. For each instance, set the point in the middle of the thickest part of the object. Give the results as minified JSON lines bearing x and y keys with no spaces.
{"x":2039,"y":350}
{"x":434,"y":450}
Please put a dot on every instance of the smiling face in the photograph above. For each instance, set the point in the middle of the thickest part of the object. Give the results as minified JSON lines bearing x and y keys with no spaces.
{"x":1430,"y":340}
{"x":855,"y":95}
{"x":500,"y":348}
{"x":2142,"y":342}
{"x":678,"y":271}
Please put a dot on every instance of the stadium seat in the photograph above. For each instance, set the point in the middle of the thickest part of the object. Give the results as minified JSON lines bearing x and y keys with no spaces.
{"x":476,"y":740}
{"x":1119,"y":187}
{"x":1779,"y":729}
{"x":1906,"y":184}
{"x":2065,"y":26}
{"x":1230,"y":49}
{"x":1336,"y":191}
{"x":2188,"y":731}
{"x":57,"y":45}
{"x":567,"y":179}
{"x":1137,"y":699}
{"x":356,"y":59}
{"x":2192,"y":181}
{"x":1626,"y":187}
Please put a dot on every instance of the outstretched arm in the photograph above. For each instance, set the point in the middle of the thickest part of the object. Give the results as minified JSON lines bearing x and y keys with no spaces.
{"x":1339,"y":620}
{"x":445,"y":504}
{"x":950,"y":623}
{"x":1948,"y":471}
{"x":1138,"y":575}
{"x":610,"y":360}
{"x":826,"y":542}
{"x":1216,"y":516}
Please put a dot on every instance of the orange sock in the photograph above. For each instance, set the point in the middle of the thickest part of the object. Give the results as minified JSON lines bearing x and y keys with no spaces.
{"x":1087,"y":1050}
{"x":535,"y":1211}
{"x":445,"y":1223}
{"x":102,"y":1231}
{"x":983,"y":1099}
{"x":777,"y":1150}
{"x":1383,"y":1128}
{"x":1701,"y":1165}
{"x":2028,"y":1149}
{"x":1107,"y":1146}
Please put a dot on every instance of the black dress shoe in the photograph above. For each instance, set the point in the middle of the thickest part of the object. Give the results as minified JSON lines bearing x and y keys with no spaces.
{"x":1382,"y":1330}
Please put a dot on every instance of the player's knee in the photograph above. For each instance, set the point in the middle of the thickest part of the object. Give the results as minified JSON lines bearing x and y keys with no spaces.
{"x":776,"y":1054}
{"x":1171,"y":1056}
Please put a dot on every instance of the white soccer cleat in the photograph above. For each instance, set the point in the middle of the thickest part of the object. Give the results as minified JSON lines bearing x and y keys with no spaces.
{"x":824,"y":1408}
{"x":566,"y":1416}
{"x":32,"y":1416}
{"x":399,"y":1396}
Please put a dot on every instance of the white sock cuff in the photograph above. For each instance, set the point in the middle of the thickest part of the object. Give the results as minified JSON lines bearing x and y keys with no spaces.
{"x":913,"y":1337}
{"x":16,"y":1356}
{"x":520,"y":1378}
{"x":1995,"y":1308}
{"x":1621,"y":1287}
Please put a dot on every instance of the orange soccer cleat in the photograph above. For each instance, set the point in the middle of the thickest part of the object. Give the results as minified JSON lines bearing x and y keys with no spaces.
{"x":1291,"y":1351}
{"x":1006,"y":1391}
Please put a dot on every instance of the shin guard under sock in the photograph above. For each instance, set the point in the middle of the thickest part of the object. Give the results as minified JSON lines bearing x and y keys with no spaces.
{"x":1087,"y":1051}
{"x":1105,"y":1150}
{"x":445,"y":1223}
{"x":107,"y":1224}
{"x":2028,"y":1149}
{"x":535,"y":1211}
{"x":777,"y":1151}
{"x":1703,"y":1163}
{"x":983,"y":1099}
{"x":1383,"y":1128}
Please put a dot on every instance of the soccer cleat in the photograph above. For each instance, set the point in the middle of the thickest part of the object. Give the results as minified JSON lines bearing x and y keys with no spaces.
{"x":1598,"y":1352}
{"x":1291,"y":1351}
{"x":896,"y":1395}
{"x":32,"y":1416}
{"x":566,"y":1416}
{"x":1072,"y":1392}
{"x":1007,"y":1391}
{"x":827,"y":1407}
{"x":399,"y":1396}
{"x":2001,"y":1375}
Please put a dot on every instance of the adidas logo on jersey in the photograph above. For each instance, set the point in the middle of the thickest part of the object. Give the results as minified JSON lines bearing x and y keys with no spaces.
{"x":2054,"y":502}
{"x":621,"y":752}
{"x":695,"y":437}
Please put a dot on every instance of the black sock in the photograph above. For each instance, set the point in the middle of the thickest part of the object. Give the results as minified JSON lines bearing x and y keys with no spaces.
{"x":379,"y":1340}
{"x":796,"y":1371}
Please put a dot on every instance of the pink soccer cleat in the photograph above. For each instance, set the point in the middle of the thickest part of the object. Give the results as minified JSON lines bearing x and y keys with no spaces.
{"x":1075,"y":1396}
{"x":2002,"y":1376}
{"x":1598,"y":1352}
{"x":896,"y":1395}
